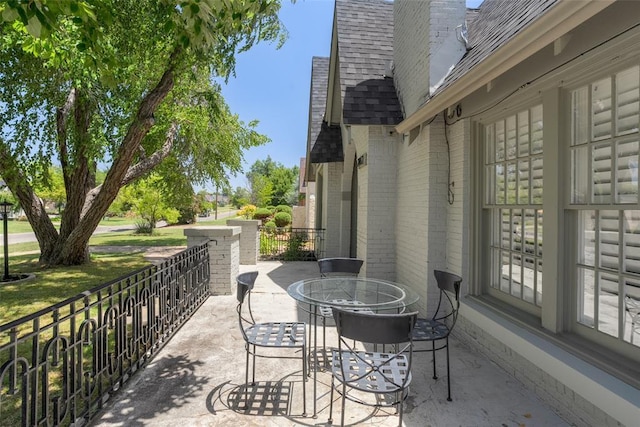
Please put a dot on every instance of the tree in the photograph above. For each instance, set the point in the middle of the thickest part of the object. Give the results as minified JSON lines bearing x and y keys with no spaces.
{"x":128,"y":83}
{"x":51,"y":188}
{"x":240,"y":197}
{"x":150,"y":203}
{"x":261,"y":190}
{"x":280,"y":180}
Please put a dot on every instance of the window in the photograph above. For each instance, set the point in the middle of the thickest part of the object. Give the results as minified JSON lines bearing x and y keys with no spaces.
{"x":513,"y":202}
{"x":604,"y":146}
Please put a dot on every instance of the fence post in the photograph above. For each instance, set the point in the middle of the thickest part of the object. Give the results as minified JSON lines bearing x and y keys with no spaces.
{"x":224,"y":254}
{"x":249,"y":239}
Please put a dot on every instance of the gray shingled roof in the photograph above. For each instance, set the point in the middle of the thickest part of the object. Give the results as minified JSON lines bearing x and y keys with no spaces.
{"x":497,"y":21}
{"x":365,"y":51}
{"x":325,"y":143}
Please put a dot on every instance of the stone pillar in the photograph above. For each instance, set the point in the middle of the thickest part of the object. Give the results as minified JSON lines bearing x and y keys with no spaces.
{"x":224,"y":255}
{"x":249,"y":239}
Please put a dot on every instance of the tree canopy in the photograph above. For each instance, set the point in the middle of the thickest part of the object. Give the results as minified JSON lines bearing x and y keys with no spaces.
{"x":272,"y":183}
{"x":126,"y":84}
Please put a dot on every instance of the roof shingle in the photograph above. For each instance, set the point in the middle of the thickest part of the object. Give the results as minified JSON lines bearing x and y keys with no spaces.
{"x":325,"y":142}
{"x":365,"y":52}
{"x":496,"y":22}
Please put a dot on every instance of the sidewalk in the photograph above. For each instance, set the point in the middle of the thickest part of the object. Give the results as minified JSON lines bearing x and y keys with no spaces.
{"x":197,"y":378}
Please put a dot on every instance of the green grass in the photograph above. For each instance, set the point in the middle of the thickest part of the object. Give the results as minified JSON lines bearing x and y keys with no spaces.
{"x":53,"y":285}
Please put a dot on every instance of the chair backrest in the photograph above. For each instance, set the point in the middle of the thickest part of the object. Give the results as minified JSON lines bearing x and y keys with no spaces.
{"x":375,"y":328}
{"x":245,"y":282}
{"x":339,"y":265}
{"x":447,"y":310}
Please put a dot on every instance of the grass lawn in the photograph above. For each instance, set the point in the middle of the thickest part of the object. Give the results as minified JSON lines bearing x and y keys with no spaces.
{"x":56,"y":284}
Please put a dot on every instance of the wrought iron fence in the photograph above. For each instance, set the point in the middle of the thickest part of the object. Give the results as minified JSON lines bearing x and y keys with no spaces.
{"x":291,"y":244}
{"x":60,"y":365}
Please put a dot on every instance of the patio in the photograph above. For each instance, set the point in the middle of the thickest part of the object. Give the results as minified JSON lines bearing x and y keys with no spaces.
{"x":196,"y":379}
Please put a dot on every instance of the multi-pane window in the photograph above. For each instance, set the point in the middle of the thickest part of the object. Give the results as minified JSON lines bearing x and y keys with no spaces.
{"x":604,"y":146}
{"x":513,"y":201}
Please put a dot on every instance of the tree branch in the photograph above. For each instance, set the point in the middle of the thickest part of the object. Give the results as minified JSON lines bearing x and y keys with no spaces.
{"x":62,"y":118}
{"x":99,"y":199}
{"x":32,"y":205}
{"x":148,"y":163}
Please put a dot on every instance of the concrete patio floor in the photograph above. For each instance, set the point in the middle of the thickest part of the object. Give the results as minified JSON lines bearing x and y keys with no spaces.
{"x":197,"y":378}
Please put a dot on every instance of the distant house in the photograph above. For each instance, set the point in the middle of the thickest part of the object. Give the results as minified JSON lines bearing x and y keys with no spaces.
{"x":501,"y":144}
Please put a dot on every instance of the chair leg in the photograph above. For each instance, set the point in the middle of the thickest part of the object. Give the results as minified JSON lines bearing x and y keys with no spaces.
{"x":309,"y":341}
{"x":344,"y":394}
{"x":253,"y":369}
{"x":433,"y":352}
{"x":330,"y":420}
{"x":324,"y":340}
{"x":304,"y":382}
{"x":246,"y":380}
{"x":448,"y":372}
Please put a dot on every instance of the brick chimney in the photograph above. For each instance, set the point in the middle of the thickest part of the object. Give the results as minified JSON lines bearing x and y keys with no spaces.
{"x":427,"y":43}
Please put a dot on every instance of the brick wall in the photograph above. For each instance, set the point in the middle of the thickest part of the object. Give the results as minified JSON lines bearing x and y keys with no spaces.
{"x":458,"y":213}
{"x":411,"y":214}
{"x":425,"y":46}
{"x":410,"y":53}
{"x":568,"y":403}
{"x":382,"y":188}
{"x":332,"y":192}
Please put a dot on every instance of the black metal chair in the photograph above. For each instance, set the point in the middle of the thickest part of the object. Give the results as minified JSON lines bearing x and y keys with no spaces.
{"x":438,"y":328}
{"x":338,"y":266}
{"x":360,"y":373}
{"x":632,"y":306}
{"x":290,"y":335}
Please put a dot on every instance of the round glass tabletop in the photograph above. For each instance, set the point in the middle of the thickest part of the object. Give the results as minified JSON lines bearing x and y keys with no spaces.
{"x":376,"y":294}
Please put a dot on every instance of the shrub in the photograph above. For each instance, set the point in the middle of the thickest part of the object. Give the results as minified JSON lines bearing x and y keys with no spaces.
{"x":247,"y":211}
{"x":270,"y":226}
{"x":282,"y":219}
{"x":295,"y":246}
{"x":144,"y":227}
{"x":261,"y":213}
{"x":284,"y":208}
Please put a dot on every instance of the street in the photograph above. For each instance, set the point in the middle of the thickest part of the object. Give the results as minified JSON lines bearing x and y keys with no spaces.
{"x":31,"y":237}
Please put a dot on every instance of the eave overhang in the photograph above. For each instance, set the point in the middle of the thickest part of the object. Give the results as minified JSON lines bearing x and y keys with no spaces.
{"x":559,"y":20}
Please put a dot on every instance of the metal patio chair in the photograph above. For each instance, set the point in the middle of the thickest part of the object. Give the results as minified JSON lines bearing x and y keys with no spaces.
{"x":337,"y":266}
{"x":438,"y":328}
{"x":289,"y":335}
{"x":360,"y":373}
{"x":632,"y":306}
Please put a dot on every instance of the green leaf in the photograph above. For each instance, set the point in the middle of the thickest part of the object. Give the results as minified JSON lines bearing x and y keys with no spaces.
{"x":10,"y":15}
{"x":34,"y":26}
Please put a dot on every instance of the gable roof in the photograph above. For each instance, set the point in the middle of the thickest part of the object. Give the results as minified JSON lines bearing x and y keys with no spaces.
{"x":365,"y":54}
{"x":325,"y":142}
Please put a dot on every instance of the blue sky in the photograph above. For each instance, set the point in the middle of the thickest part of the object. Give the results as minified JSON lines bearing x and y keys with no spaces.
{"x":272,"y":85}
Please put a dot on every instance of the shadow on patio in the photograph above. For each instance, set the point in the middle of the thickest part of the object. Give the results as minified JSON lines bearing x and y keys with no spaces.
{"x":197,"y":379}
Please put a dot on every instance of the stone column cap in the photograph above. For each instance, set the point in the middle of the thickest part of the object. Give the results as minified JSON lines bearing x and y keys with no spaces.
{"x":243,"y":222}
{"x":212,"y":231}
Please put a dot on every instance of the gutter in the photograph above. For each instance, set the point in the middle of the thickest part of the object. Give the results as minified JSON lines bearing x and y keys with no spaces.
{"x":559,"y":20}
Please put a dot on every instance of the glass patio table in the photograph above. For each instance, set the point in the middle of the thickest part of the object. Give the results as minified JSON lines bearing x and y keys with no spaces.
{"x":348,"y":292}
